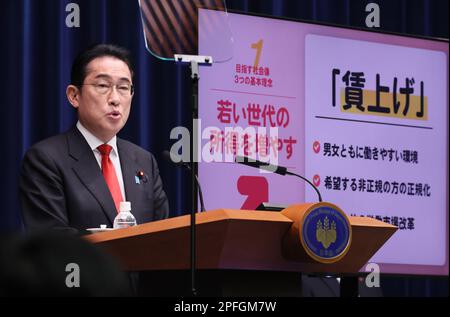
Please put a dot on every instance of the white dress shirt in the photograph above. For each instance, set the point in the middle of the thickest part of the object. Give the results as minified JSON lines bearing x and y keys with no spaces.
{"x":94,"y":142}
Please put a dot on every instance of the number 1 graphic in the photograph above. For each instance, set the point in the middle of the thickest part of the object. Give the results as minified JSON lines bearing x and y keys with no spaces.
{"x":258,"y":47}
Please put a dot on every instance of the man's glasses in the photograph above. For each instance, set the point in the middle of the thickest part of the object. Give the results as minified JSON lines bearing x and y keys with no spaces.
{"x":124,"y":89}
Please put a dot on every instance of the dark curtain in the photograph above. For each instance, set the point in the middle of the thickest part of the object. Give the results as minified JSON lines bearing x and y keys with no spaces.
{"x":37,"y":51}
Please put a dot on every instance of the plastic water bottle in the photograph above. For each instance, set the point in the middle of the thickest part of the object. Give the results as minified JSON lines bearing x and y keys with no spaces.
{"x":124,"y":218}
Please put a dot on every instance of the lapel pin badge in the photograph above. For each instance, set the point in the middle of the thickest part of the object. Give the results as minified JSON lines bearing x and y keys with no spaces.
{"x":140,"y":176}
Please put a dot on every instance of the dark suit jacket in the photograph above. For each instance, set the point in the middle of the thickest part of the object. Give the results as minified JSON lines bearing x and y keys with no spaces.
{"x":62,"y":186}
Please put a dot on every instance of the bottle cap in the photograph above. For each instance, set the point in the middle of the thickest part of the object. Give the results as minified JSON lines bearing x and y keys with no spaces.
{"x":125,"y":206}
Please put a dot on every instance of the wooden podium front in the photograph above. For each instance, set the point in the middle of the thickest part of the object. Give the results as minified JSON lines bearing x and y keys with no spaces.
{"x":233,"y":241}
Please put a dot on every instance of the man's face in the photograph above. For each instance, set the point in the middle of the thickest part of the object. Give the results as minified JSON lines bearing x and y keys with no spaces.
{"x":103,"y":111}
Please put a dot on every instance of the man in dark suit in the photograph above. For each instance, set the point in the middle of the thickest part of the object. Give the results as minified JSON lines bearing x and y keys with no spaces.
{"x":76,"y":180}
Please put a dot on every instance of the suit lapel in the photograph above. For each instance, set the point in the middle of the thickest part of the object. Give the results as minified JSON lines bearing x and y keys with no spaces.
{"x":129,"y":171}
{"x":87,"y":169}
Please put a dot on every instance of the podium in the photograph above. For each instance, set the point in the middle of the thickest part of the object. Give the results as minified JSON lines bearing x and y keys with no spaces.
{"x":247,"y":250}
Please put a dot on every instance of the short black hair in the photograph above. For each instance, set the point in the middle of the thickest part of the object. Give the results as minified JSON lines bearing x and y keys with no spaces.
{"x":80,"y":63}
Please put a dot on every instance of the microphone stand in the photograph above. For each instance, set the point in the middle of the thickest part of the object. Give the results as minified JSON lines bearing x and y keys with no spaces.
{"x":306,"y":180}
{"x":194,"y":62}
{"x":194,"y":169}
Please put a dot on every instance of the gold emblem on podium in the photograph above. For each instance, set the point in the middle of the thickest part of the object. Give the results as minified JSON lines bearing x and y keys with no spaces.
{"x":325,"y":233}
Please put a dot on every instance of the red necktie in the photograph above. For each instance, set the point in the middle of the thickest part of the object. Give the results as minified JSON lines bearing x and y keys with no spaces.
{"x":109,"y":173}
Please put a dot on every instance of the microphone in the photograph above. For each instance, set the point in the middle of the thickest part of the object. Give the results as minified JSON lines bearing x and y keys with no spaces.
{"x":281,"y":170}
{"x":261,"y":165}
{"x":176,"y":160}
